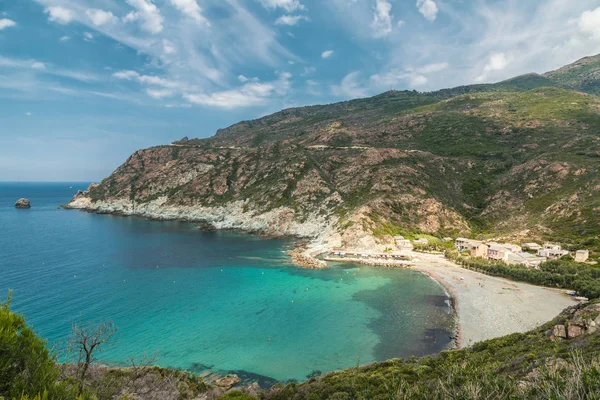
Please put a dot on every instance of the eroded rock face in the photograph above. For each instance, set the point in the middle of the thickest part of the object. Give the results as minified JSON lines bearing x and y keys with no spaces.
{"x":582,"y":320}
{"x":559,"y":332}
{"x":23,"y":203}
{"x":574,"y":331}
{"x":228,"y":382}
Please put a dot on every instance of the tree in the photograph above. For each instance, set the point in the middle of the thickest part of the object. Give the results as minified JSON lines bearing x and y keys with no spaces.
{"x":27,"y":368}
{"x":86,"y":341}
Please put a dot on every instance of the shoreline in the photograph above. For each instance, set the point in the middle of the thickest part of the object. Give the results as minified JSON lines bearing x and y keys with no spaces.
{"x":480,"y":303}
{"x":452,"y":298}
{"x":488,"y":307}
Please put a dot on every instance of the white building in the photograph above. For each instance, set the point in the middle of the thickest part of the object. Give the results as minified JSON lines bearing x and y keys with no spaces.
{"x":532,"y":246}
{"x":402,"y":243}
{"x":582,"y":255}
{"x":500,"y":251}
{"x":527,"y":259}
{"x":475,"y":247}
{"x":552,"y":251}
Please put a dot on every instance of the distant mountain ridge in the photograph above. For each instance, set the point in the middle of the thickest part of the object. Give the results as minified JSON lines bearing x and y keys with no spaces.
{"x":519,"y":157}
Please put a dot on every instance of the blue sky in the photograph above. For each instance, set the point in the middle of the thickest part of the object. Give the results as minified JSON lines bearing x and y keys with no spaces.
{"x":84,"y":83}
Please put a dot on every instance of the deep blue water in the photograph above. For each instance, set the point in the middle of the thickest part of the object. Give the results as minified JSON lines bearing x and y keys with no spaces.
{"x":224,"y":300}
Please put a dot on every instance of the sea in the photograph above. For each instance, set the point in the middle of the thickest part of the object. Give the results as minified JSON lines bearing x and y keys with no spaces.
{"x":205,"y":301}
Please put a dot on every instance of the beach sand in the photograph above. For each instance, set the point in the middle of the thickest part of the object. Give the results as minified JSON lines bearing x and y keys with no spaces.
{"x":490,"y":307}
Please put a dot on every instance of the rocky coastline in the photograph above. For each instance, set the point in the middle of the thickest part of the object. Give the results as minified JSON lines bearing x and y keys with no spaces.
{"x":318,"y":235}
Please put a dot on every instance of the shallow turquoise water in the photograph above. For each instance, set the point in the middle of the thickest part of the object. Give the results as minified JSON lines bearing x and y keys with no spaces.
{"x":224,"y":301}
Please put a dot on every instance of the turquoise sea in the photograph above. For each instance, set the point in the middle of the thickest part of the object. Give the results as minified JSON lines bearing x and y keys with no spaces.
{"x":224,"y":301}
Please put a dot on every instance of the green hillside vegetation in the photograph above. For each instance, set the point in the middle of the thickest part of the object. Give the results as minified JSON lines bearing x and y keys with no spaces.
{"x":583,"y":75}
{"x":481,"y":160}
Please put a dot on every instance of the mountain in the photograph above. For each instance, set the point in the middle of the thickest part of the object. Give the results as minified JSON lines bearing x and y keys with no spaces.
{"x":520,"y":157}
{"x":583,"y":75}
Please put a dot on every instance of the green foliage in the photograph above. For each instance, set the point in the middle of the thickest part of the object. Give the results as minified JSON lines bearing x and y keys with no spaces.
{"x":236,"y":395}
{"x":27,"y":368}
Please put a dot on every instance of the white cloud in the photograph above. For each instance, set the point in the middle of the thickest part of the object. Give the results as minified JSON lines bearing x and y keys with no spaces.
{"x":185,"y":55}
{"x":414,"y":77}
{"x":87,"y":36}
{"x":287,"y":5}
{"x":127,"y":75}
{"x":157,"y":81}
{"x":191,"y":9}
{"x":290,"y":19}
{"x":28,"y":114}
{"x":159,"y":93}
{"x":496,"y":62}
{"x":132,"y":16}
{"x":327,"y":53}
{"x":435,"y":67}
{"x":245,"y":79}
{"x":145,"y":79}
{"x":148,"y":13}
{"x":428,"y":8}
{"x":168,"y":47}
{"x":64,"y":38}
{"x":401,"y":23}
{"x":589,"y":23}
{"x":41,"y":68}
{"x":349,"y":87}
{"x":100,"y":17}
{"x":7,"y":23}
{"x":382,"y":18}
{"x":248,"y":95}
{"x":417,"y":80}
{"x":308,"y":71}
{"x":60,"y":15}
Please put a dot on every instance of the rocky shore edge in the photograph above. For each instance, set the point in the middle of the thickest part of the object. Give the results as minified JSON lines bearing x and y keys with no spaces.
{"x":453,"y":299}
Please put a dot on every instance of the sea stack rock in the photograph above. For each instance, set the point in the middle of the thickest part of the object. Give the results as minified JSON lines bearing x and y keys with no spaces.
{"x":23,"y":203}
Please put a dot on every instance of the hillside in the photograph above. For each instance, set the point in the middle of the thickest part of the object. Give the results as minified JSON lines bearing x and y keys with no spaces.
{"x":582,"y":75}
{"x":513,"y":157}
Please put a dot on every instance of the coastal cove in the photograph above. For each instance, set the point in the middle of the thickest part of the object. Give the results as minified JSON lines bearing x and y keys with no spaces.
{"x":218,"y":300}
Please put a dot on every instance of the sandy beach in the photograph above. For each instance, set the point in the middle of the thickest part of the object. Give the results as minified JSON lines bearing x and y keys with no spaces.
{"x":490,"y":307}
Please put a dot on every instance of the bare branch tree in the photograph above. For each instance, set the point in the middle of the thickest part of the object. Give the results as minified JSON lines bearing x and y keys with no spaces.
{"x":86,"y":341}
{"x":140,"y":367}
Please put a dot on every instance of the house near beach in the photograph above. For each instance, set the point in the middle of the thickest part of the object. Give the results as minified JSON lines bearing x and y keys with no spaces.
{"x":552,"y":251}
{"x":421,"y":241}
{"x":582,"y":255}
{"x":527,"y":259}
{"x":476,"y":248}
{"x":402,"y":243}
{"x":532,"y":246}
{"x":501,"y":251}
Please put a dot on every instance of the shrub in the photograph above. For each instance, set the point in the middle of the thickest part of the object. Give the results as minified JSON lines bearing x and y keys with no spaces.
{"x":27,"y":368}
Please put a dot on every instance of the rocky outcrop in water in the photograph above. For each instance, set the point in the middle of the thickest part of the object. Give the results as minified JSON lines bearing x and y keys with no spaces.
{"x":23,"y":203}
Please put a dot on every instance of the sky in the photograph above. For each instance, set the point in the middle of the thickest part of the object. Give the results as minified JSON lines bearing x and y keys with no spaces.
{"x":85,"y":83}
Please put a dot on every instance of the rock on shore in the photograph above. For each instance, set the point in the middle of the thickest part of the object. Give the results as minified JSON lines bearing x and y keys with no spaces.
{"x":305,"y":260}
{"x":23,"y":203}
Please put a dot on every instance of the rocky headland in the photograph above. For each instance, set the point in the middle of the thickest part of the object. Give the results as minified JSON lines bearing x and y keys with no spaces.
{"x":516,"y":156}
